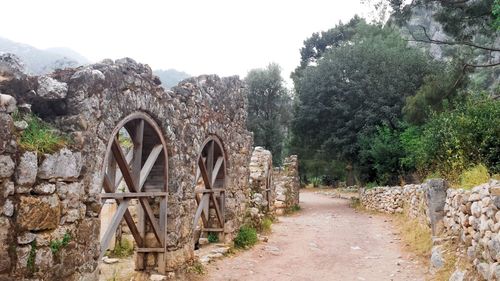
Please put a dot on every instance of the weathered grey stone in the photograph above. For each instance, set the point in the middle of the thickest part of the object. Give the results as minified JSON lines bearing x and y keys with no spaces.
{"x":7,"y":103}
{"x":43,"y":259}
{"x":457,"y":275}
{"x":21,"y":125}
{"x":5,"y":261}
{"x":7,"y":166}
{"x":51,"y":89}
{"x":8,"y":208}
{"x":63,"y":164}
{"x":38,"y":213}
{"x":7,"y":188}
{"x":436,"y":198}
{"x":44,"y":188}
{"x":484,"y":269}
{"x":25,"y":238}
{"x":437,"y":260}
{"x":27,"y":169}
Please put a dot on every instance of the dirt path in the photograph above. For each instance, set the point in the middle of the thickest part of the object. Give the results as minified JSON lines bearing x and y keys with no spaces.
{"x":326,"y":240}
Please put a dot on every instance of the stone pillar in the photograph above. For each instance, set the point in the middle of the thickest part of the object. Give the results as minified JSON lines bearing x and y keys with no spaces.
{"x":435,"y":192}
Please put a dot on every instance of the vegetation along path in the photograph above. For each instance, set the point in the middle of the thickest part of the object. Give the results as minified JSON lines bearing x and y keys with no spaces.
{"x":326,"y":240}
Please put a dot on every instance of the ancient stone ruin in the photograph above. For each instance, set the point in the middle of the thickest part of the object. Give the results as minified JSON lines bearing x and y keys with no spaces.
{"x":169,"y":159}
{"x":287,"y":185}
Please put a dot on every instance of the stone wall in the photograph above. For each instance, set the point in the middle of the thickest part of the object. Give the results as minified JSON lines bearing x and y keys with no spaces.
{"x":423,"y":202}
{"x":474,"y":217}
{"x":287,"y":185}
{"x":261,"y":185}
{"x":45,"y":196}
{"x":470,"y":217}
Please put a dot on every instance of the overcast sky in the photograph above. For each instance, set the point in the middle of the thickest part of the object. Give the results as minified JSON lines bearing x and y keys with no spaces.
{"x":225,"y":37}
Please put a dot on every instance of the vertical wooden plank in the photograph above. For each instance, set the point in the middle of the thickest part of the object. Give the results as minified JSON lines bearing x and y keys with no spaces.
{"x":210,"y":160}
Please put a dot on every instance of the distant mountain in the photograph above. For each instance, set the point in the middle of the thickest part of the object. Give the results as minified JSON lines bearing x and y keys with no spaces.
{"x":38,"y":61}
{"x":170,"y":77}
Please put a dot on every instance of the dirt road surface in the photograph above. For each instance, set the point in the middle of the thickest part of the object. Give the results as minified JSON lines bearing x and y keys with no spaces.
{"x":326,"y":240}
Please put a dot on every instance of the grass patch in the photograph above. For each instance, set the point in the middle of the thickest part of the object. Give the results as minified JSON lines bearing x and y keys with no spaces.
{"x":197,"y":268}
{"x":416,"y":236}
{"x":41,"y":137}
{"x":267,"y":222}
{"x":247,"y":237}
{"x":474,"y":176}
{"x":31,"y":258}
{"x":213,"y":237}
{"x":58,"y":244}
{"x":123,"y":248}
{"x":293,"y":209}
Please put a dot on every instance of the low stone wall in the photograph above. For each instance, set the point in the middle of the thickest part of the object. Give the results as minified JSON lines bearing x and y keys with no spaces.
{"x":474,"y":217}
{"x":471,"y":217}
{"x":287,"y":185}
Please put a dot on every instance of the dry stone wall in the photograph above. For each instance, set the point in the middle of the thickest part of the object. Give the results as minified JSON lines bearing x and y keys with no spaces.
{"x":470,"y":217}
{"x":47,"y":197}
{"x":261,"y":185}
{"x":287,"y":185}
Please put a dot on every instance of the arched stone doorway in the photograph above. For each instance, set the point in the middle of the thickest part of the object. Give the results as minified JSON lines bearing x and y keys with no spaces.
{"x":135,"y":182}
{"x":210,"y":192}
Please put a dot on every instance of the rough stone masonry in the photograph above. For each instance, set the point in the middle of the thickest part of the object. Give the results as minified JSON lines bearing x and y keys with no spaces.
{"x":45,"y":198}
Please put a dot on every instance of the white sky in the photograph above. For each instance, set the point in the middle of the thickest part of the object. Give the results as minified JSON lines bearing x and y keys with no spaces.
{"x":220,"y":36}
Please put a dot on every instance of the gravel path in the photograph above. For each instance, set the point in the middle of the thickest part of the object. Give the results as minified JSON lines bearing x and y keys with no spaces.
{"x":326,"y":240}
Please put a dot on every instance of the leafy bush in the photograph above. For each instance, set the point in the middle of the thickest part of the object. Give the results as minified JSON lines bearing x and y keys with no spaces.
{"x":247,"y":237}
{"x":316,"y":181}
{"x":213,"y":237}
{"x":474,"y":176}
{"x":454,"y":140}
{"x":41,"y":137}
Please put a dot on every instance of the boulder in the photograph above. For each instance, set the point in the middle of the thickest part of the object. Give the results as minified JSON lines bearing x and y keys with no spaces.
{"x":51,"y":89}
{"x":7,"y":103}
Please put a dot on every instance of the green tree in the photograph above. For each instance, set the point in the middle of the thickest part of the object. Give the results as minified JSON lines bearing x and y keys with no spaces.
{"x":269,"y":109}
{"x":352,"y":89}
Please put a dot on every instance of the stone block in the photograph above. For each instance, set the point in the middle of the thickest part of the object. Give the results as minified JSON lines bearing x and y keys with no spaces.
{"x":7,"y":166}
{"x":64,"y":165}
{"x":5,"y":261}
{"x":39,"y":213}
{"x":27,"y":169}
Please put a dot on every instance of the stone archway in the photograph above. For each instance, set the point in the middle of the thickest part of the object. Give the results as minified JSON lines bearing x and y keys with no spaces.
{"x":210,"y":182}
{"x":136,"y":171}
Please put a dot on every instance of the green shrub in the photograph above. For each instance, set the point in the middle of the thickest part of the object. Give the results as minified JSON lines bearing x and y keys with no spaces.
{"x":474,"y":176}
{"x":247,"y":237}
{"x":213,"y":237}
{"x":41,"y":137}
{"x":56,"y":245}
{"x":123,"y":248}
{"x":316,"y":181}
{"x":371,"y":184}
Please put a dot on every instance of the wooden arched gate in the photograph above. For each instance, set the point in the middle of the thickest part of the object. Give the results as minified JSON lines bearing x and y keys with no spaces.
{"x":210,"y":187}
{"x":143,"y":169}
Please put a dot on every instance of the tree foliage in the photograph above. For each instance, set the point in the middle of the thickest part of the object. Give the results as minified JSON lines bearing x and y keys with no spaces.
{"x":269,"y":109}
{"x":353,"y":88}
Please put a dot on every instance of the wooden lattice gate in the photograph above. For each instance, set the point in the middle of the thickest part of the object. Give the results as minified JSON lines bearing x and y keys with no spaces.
{"x":143,"y":169}
{"x":210,"y":187}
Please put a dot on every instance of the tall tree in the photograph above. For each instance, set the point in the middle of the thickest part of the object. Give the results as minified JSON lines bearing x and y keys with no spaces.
{"x":269,"y":109}
{"x":352,"y":89}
